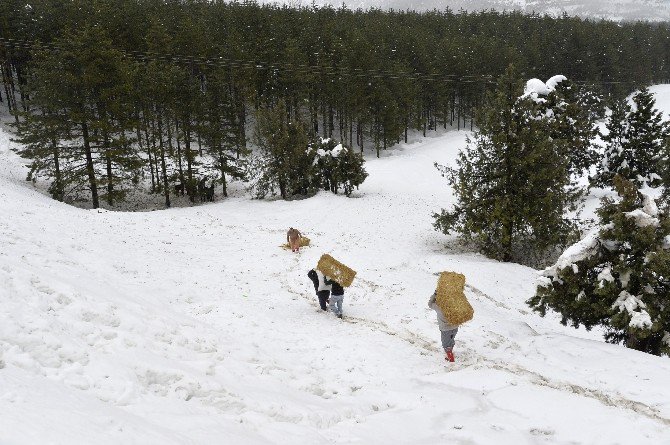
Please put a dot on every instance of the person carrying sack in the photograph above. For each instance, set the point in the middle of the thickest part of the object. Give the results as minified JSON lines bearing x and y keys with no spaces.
{"x":452,"y":308}
{"x":447,"y":331}
{"x":322,"y":289}
{"x":336,"y":297}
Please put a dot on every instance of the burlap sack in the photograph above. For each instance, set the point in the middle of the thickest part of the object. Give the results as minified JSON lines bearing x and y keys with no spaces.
{"x":335,"y":270}
{"x":451,"y":298}
{"x":304,"y":242}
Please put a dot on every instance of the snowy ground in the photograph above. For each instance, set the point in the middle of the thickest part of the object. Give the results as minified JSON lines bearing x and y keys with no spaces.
{"x":192,"y":326}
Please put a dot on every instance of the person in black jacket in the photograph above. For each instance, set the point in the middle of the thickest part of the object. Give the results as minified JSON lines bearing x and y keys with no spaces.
{"x":320,"y":286}
{"x":336,"y":297}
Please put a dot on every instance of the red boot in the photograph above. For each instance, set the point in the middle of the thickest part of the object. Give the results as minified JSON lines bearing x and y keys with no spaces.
{"x":450,"y":356}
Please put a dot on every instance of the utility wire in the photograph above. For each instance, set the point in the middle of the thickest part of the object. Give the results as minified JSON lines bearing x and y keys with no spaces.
{"x":297,"y":68}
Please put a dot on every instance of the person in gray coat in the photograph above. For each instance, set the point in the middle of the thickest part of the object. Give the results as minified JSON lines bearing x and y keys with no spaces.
{"x":447,"y":331}
{"x":336,"y":296}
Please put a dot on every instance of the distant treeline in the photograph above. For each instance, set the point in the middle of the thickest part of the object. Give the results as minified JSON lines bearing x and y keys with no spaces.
{"x":170,"y":87}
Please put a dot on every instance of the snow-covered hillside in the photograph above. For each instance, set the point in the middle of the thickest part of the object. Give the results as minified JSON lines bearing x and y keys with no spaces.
{"x":192,"y":326}
{"x":629,"y":10}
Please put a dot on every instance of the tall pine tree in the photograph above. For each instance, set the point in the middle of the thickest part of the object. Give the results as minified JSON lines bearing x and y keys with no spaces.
{"x":512,"y":182}
{"x":636,"y":142}
{"x":283,"y":159}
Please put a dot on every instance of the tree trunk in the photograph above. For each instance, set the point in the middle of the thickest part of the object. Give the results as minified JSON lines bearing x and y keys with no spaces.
{"x":151,"y":162}
{"x":21,"y":86}
{"x":222,"y":163}
{"x":331,"y":121}
{"x":189,"y":162}
{"x":108,"y":160}
{"x":7,"y":81}
{"x":340,"y":119}
{"x":153,"y":145}
{"x":166,"y":188}
{"x":59,"y":190}
{"x":325,"y":121}
{"x":90,"y":170}
{"x":242,"y":128}
{"x":377,"y":134}
{"x":139,"y":142}
{"x":458,"y":118}
{"x":406,"y":125}
{"x":181,"y":168}
{"x":282,"y":189}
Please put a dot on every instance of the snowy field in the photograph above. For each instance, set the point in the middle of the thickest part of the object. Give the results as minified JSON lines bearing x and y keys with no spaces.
{"x":192,"y":326}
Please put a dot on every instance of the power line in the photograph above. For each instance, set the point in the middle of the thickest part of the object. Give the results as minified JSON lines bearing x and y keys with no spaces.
{"x":269,"y":66}
{"x":296,"y":68}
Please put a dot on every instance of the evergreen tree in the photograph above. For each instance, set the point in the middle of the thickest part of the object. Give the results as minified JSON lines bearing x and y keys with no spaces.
{"x":512,"y":181}
{"x":336,"y":166}
{"x":219,"y":128}
{"x":42,"y":136}
{"x":79,"y":91}
{"x":350,"y":171}
{"x":571,"y":113}
{"x":281,"y":165}
{"x":419,"y":70}
{"x":618,"y":276}
{"x":636,"y":142}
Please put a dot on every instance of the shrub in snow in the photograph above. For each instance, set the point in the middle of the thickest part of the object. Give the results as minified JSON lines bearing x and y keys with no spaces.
{"x":336,"y":166}
{"x":618,"y":276}
{"x":290,"y":164}
{"x":637,"y":143}
{"x":512,"y":182}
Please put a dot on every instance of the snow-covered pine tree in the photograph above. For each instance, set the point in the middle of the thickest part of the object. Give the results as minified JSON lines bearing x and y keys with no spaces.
{"x":618,"y":276}
{"x":636,"y":142}
{"x":351,"y":171}
{"x":512,"y":182}
{"x":336,"y":166}
{"x":570,"y":112}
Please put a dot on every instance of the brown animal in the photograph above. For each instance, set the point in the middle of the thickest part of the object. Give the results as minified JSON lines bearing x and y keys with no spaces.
{"x":179,"y":189}
{"x":293,"y":239}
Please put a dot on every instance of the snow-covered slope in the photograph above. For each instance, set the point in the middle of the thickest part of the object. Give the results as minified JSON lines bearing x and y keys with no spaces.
{"x":629,"y":10}
{"x":191,"y":325}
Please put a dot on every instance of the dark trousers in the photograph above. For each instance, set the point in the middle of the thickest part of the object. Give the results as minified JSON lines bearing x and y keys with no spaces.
{"x":323,"y":298}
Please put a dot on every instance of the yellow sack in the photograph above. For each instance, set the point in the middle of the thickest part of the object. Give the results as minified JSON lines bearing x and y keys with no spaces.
{"x":451,"y":298}
{"x":304,"y":242}
{"x":335,"y":270}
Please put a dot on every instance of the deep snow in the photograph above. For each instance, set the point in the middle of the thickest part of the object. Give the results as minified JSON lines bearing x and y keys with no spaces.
{"x":192,"y":325}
